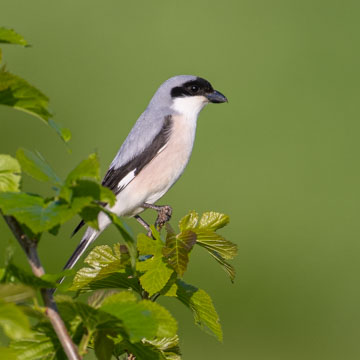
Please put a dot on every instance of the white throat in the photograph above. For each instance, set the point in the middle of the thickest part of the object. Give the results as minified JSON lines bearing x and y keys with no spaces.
{"x":189,"y":106}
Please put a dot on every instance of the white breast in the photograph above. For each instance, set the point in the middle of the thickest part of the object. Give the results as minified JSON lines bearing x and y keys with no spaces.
{"x":163,"y":171}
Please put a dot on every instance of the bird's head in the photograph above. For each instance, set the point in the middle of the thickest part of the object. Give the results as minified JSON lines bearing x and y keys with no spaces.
{"x":187,"y":94}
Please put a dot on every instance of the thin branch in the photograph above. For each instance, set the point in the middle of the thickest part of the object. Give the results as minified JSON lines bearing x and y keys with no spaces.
{"x":30,"y":248}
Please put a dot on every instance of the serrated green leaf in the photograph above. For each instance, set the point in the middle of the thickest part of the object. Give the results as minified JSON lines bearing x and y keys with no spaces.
{"x":168,"y":347}
{"x":229,"y":269}
{"x":212,"y":220}
{"x":19,"y":94}
{"x":36,"y":166}
{"x":41,"y":346}
{"x":177,"y":249}
{"x":138,"y":320}
{"x":141,"y":350}
{"x":216,"y":243}
{"x":37,"y":214}
{"x":13,"y":321}
{"x":167,"y":325}
{"x":69,"y":309}
{"x":189,"y":221}
{"x":108,"y":269}
{"x":15,"y":292}
{"x":87,"y":169}
{"x":156,"y":271}
{"x":9,"y":36}
{"x":9,"y":173}
{"x":202,"y":307}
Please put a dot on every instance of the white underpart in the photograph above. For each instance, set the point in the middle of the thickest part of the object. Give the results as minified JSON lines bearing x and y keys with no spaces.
{"x":126,"y":179}
{"x":156,"y":178}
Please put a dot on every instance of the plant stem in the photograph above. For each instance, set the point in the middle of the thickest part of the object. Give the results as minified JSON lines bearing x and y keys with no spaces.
{"x":30,"y":248}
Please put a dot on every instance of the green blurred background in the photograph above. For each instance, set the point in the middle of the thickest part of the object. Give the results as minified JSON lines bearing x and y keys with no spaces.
{"x":282,"y":158}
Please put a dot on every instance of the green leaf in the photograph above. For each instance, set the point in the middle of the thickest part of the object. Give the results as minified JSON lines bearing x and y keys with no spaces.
{"x":36,"y":166}
{"x":202,"y":307}
{"x":64,"y":133}
{"x":13,"y":321}
{"x":8,"y":354}
{"x":36,"y":213}
{"x":43,"y":345}
{"x":121,"y":227}
{"x":9,"y":36}
{"x":138,"y":320}
{"x":218,"y":247}
{"x":15,"y":292}
{"x":167,"y":325}
{"x":108,"y":269}
{"x":189,"y":221}
{"x":9,"y":173}
{"x":141,"y":350}
{"x":229,"y":269}
{"x":177,"y":249}
{"x":27,"y":278}
{"x":216,"y":243}
{"x":149,"y":319}
{"x":168,"y":347}
{"x":213,"y":221}
{"x":87,"y":169}
{"x":103,"y":345}
{"x":156,"y":271}
{"x":69,"y":309}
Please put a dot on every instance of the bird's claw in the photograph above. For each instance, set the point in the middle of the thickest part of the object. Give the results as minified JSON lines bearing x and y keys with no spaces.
{"x":164,"y":215}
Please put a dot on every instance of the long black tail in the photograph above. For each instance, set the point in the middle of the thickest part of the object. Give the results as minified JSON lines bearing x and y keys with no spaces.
{"x":89,"y":237}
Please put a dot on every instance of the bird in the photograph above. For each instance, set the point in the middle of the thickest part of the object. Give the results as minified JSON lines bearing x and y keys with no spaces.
{"x":153,"y":155}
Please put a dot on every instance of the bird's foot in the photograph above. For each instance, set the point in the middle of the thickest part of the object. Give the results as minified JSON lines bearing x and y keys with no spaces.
{"x":164,"y":215}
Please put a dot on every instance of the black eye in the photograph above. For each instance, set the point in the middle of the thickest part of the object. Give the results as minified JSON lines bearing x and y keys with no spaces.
{"x":194,"y":89}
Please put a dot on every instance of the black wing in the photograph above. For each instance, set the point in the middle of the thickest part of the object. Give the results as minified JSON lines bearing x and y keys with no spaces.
{"x":114,"y":176}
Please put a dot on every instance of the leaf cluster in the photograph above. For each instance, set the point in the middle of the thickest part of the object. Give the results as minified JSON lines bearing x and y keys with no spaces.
{"x":112,"y":309}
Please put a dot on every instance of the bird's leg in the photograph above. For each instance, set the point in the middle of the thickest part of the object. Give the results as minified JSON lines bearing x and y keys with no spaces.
{"x":164,"y":214}
{"x":144,"y":224}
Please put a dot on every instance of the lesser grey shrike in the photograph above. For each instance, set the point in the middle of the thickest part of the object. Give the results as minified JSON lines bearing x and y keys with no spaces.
{"x":154,"y":154}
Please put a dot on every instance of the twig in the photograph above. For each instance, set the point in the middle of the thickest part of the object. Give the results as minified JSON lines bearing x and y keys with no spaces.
{"x":30,"y":248}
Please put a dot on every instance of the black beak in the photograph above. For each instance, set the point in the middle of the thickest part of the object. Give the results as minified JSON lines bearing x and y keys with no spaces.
{"x":216,"y":97}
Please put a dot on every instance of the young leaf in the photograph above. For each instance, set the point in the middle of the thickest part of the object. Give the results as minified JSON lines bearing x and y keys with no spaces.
{"x":213,"y":221}
{"x":229,"y":269}
{"x":202,"y":307}
{"x":9,"y":36}
{"x":156,"y":270}
{"x":9,"y":174}
{"x":189,"y":221}
{"x":216,"y":243}
{"x":13,"y":321}
{"x":15,"y":292}
{"x":108,"y":269}
{"x":36,"y":166}
{"x":168,"y":347}
{"x":177,"y":249}
{"x":37,"y":214}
